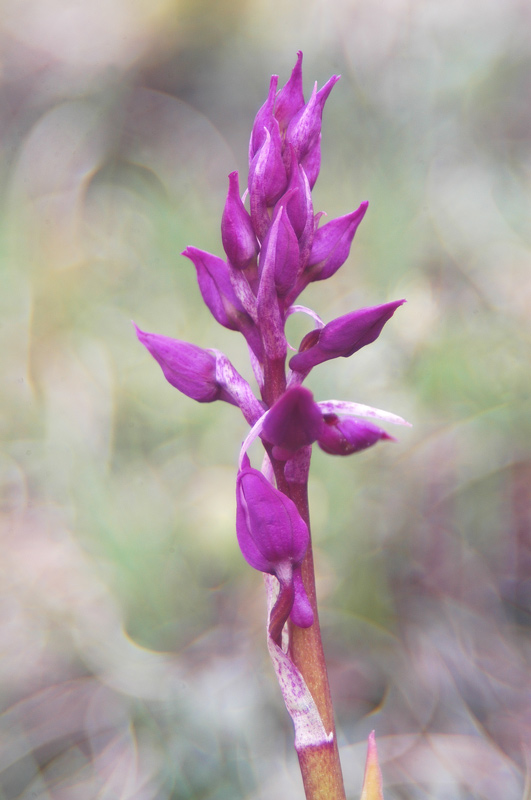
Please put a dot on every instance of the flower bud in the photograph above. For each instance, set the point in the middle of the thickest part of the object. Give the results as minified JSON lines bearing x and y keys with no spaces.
{"x":216,"y":288}
{"x":331,"y":244}
{"x":273,"y":538}
{"x":344,"y":436}
{"x":343,"y":336}
{"x":263,"y":120}
{"x":270,"y":530}
{"x":290,"y":98}
{"x":189,"y":368}
{"x":294,"y":421}
{"x":282,"y":247}
{"x":372,"y":779}
{"x":304,"y":129}
{"x":298,"y":199}
{"x":237,"y":234}
{"x":267,"y":180}
{"x":270,"y":320}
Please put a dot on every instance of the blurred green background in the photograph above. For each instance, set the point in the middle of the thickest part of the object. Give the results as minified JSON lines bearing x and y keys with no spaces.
{"x":133,"y":660}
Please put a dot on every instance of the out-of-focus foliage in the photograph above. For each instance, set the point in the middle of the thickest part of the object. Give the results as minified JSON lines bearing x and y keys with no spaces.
{"x":133,"y":661}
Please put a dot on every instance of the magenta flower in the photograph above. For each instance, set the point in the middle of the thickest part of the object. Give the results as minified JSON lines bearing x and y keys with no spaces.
{"x":237,"y":234}
{"x":344,"y":436}
{"x":343,"y":336}
{"x":189,"y":368}
{"x":281,"y":247}
{"x":294,"y":421}
{"x":273,"y":538}
{"x":216,"y":288}
{"x":331,"y":244}
{"x":203,"y":375}
{"x":274,"y":249}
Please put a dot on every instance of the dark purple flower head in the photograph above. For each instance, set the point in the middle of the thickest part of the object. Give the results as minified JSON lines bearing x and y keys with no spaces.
{"x":343,"y":336}
{"x":237,"y":234}
{"x":189,"y":368}
{"x":342,"y":436}
{"x":293,"y":422}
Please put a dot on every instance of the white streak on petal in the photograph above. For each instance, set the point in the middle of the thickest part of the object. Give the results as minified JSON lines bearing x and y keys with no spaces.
{"x":359,"y":410}
{"x":305,"y":310}
{"x":253,"y":434}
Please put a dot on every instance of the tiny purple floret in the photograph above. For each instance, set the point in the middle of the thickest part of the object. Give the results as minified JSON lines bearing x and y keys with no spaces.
{"x":344,"y":436}
{"x":293,"y":422}
{"x":343,"y":336}
{"x":188,"y":368}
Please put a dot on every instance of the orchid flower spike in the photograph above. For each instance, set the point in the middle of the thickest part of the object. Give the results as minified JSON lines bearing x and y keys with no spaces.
{"x":274,"y":248}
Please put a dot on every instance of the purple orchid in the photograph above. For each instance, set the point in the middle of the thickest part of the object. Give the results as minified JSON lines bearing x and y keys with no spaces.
{"x":293,"y":422}
{"x":343,"y":336}
{"x":344,"y":436}
{"x":273,"y":538}
{"x":274,"y":249}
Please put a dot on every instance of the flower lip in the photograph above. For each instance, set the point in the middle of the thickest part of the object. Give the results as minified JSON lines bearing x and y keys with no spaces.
{"x":294,"y":421}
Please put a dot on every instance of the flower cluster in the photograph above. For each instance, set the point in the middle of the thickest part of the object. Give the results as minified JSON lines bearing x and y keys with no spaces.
{"x":273,"y":251}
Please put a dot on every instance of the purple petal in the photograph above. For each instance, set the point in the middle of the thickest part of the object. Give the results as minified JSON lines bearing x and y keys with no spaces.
{"x":270,"y":530}
{"x":331,"y":244}
{"x":237,"y":234}
{"x":269,"y":318}
{"x":216,"y":288}
{"x":267,"y":180}
{"x":281,"y":245}
{"x":341,"y":437}
{"x":305,"y":128}
{"x":343,"y":336}
{"x":263,"y":119}
{"x":290,"y":98}
{"x":298,"y":199}
{"x":293,"y":422}
{"x":189,"y":368}
{"x":311,"y":163}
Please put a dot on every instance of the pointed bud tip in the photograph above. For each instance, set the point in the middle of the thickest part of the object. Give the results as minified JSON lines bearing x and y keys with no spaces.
{"x":372,"y":781}
{"x":388,"y":438}
{"x":140,"y":334}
